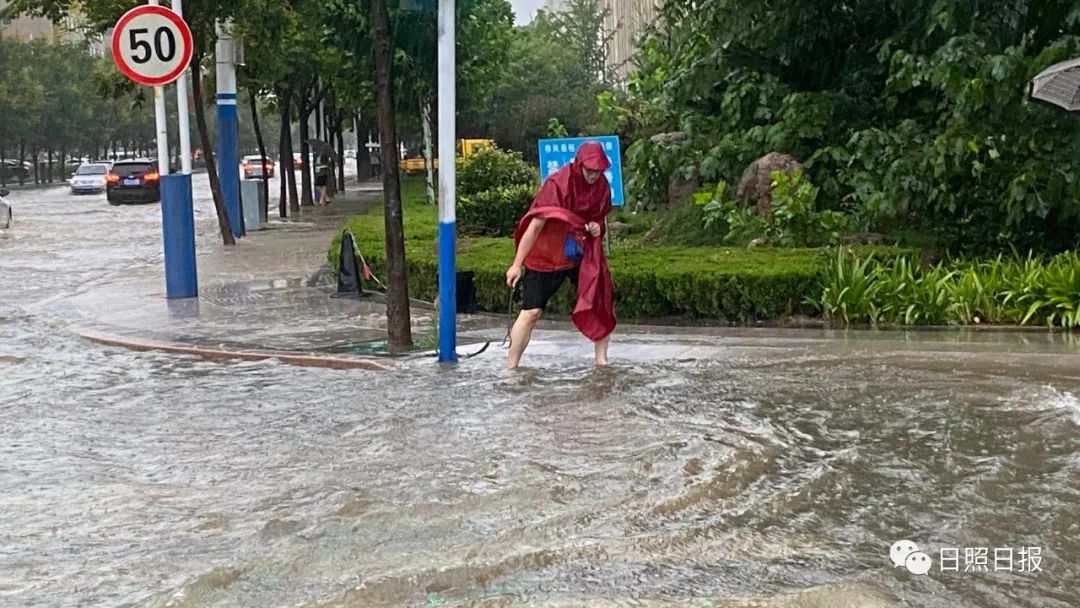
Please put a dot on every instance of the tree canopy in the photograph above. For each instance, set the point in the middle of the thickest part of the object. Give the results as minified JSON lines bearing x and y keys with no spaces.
{"x":900,"y":110}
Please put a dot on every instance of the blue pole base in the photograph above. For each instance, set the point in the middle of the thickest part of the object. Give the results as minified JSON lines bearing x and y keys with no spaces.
{"x":178,"y":230}
{"x":447,"y":292}
{"x":228,"y":164}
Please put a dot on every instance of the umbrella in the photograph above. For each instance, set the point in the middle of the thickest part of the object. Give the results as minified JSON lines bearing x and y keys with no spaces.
{"x":1059,"y":85}
{"x":320,"y":147}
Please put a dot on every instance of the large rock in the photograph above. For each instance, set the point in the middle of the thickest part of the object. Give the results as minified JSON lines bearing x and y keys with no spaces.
{"x":681,"y":190}
{"x":755,"y":186}
{"x":616,"y":229}
{"x":667,"y":139}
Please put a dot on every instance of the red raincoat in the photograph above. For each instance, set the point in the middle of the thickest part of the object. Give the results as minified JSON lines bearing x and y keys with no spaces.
{"x":567,"y":198}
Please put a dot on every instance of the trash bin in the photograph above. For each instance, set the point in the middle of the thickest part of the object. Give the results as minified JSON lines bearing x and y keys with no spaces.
{"x":251,"y":200}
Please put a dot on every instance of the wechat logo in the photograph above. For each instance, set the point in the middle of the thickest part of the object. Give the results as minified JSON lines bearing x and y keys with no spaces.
{"x":906,"y":554}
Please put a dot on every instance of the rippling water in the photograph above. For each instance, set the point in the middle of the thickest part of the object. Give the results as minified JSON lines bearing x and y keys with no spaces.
{"x":762,"y":477}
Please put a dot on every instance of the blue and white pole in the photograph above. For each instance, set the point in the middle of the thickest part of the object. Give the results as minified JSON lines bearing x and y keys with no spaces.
{"x":228,"y":129}
{"x":177,"y":215}
{"x":447,"y":185}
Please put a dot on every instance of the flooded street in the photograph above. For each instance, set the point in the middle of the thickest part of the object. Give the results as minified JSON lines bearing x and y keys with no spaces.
{"x":765,"y":472}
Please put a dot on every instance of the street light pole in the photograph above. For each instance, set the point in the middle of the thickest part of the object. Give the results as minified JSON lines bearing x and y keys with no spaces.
{"x":447,"y":185}
{"x":228,"y":129}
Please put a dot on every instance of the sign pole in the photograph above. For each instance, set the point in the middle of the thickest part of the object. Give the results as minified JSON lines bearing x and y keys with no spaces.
{"x":182,"y":108}
{"x":152,"y":46}
{"x":447,"y":186}
{"x":162,"y":127}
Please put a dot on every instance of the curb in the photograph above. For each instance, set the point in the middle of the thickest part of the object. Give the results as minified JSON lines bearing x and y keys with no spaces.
{"x":221,"y":354}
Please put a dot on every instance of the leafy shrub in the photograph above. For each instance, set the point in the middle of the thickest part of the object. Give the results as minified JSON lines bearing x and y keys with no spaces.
{"x":856,"y":289}
{"x":689,"y":225}
{"x":494,"y":212}
{"x":492,"y":169}
{"x":848,"y":291}
{"x":794,"y":222}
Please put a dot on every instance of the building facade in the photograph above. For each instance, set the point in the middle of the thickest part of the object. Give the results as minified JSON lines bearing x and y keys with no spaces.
{"x":71,"y":29}
{"x":627,"y":19}
{"x":28,"y":28}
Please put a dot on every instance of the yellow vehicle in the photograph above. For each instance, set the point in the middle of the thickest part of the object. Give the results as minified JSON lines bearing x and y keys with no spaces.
{"x":465,"y":149}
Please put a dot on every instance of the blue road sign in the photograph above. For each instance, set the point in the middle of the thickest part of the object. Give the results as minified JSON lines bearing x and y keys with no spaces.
{"x":556,"y":153}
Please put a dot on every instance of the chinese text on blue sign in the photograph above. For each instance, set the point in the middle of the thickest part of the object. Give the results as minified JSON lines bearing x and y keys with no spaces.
{"x":556,"y":153}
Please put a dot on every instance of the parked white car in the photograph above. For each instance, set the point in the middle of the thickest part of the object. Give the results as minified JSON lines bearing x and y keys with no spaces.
{"x":89,"y":177}
{"x":5,"y":210}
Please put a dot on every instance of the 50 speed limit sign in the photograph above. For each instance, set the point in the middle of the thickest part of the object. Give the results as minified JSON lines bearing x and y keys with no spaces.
{"x":151,"y":45}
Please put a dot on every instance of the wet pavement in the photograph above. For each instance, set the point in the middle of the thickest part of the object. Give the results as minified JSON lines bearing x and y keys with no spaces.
{"x":718,"y":467}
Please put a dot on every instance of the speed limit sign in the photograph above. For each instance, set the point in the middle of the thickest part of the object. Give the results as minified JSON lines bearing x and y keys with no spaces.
{"x":151,"y":45}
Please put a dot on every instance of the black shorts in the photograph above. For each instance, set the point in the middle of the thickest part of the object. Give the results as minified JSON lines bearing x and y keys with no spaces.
{"x":538,"y":287}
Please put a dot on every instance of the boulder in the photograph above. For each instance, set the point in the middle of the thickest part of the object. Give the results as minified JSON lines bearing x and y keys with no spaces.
{"x":755,"y":186}
{"x":619,"y":228}
{"x":666,"y":139}
{"x":681,"y":189}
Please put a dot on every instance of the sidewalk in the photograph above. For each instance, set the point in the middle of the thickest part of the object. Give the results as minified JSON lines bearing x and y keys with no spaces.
{"x":271,"y":296}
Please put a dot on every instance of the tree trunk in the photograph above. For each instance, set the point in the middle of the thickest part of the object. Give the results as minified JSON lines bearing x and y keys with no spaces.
{"x":320,"y":126}
{"x":397,"y":300}
{"x":19,"y":167}
{"x":363,"y":156}
{"x":294,"y":202}
{"x":264,"y":203}
{"x":3,"y":168}
{"x":341,"y":152}
{"x":50,"y":171}
{"x":208,"y":151}
{"x":429,"y":164}
{"x":305,"y":156}
{"x":63,"y":165}
{"x":284,"y":158}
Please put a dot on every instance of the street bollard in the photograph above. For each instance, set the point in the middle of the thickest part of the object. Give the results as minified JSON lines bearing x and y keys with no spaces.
{"x":178,"y":230}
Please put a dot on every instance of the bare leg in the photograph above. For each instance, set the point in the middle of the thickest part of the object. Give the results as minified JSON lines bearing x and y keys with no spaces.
{"x":601,"y":350}
{"x":520,"y":335}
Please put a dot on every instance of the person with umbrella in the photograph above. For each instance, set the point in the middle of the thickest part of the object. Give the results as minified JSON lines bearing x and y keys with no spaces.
{"x":324,"y":171}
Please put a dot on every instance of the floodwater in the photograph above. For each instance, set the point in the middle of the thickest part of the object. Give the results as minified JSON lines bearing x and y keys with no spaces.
{"x":757,"y":476}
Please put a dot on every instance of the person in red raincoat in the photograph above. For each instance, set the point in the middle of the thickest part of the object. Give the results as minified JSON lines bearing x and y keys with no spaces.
{"x":560,"y":238}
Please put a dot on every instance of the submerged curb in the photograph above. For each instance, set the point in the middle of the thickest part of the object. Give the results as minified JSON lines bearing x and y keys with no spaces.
{"x":222,"y":354}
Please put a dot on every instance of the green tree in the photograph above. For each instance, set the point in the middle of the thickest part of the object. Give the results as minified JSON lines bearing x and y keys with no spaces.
{"x":582,"y":26}
{"x":900,"y":110}
{"x":542,"y":79}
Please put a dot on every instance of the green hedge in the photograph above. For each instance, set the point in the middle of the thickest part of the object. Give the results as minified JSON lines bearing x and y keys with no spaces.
{"x":730,"y":284}
{"x":494,"y":212}
{"x":492,"y":169}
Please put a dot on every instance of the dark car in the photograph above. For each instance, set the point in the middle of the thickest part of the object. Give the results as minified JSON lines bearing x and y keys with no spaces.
{"x":133,"y":181}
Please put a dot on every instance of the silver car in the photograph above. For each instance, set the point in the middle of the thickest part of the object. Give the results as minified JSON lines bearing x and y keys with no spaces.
{"x":5,"y":210}
{"x":89,"y":178}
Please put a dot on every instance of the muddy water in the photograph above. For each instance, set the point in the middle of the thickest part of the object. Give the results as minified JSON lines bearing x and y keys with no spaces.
{"x":757,"y":476}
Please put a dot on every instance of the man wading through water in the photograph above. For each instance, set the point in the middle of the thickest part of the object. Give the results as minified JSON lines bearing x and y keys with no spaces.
{"x":561,"y":238}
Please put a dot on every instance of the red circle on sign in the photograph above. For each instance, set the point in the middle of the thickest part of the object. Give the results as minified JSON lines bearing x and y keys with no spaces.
{"x":185,"y":44}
